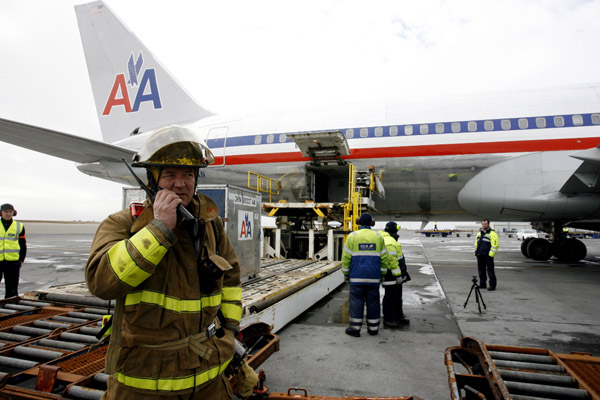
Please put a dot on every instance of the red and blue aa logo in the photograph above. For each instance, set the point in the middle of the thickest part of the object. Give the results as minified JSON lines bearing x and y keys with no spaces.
{"x":121,"y":92}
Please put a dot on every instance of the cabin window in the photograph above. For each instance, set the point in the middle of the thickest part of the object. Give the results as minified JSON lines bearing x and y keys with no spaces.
{"x":257,"y":139}
{"x":379,"y":131}
{"x":349,"y":133}
{"x":393,"y":131}
{"x":559,"y":121}
{"x":424,"y":129}
{"x":282,"y":138}
{"x":364,"y":132}
{"x":408,"y":130}
{"x":577,"y":120}
{"x":472,"y":126}
{"x":505,"y":124}
{"x":439,"y":128}
{"x":488,"y":125}
{"x":270,"y":138}
{"x":523,"y":123}
{"x":456,"y":127}
{"x":540,"y":122}
{"x":596,"y":119}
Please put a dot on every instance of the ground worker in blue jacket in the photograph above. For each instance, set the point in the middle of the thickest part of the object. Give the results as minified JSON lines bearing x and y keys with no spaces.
{"x":397,"y":274}
{"x":364,"y":262}
{"x":486,"y":247}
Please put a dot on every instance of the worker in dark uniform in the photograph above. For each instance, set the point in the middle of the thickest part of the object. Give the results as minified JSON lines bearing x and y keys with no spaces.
{"x":396,"y":276}
{"x":364,"y":262}
{"x":486,"y":247}
{"x":13,"y":249}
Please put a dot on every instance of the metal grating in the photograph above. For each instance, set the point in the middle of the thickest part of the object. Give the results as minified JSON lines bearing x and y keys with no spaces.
{"x":85,"y":364}
{"x":23,"y":319}
{"x":586,"y":371}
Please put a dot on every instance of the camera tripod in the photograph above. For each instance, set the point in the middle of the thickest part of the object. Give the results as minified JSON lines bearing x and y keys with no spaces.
{"x":478,"y":296}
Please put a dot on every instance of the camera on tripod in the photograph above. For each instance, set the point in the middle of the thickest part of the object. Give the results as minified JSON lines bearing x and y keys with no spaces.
{"x":478,"y":297}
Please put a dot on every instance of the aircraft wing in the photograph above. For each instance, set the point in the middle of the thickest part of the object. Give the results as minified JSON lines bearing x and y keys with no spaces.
{"x":586,"y":179}
{"x":62,"y":145}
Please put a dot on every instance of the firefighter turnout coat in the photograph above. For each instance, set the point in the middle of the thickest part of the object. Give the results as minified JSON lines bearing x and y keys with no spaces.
{"x":168,"y":344}
{"x":365,"y":257}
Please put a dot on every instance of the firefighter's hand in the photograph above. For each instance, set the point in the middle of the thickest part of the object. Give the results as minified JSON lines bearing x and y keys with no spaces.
{"x":165,"y":207}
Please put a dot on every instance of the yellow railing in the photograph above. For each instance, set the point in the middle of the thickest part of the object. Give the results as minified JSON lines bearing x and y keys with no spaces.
{"x":264,"y":184}
{"x":352,"y":208}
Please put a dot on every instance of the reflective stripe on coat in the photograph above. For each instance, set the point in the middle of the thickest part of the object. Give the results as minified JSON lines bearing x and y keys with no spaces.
{"x":364,"y":258}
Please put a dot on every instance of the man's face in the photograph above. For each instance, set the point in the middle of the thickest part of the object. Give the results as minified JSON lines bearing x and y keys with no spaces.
{"x":7,"y":214}
{"x":178,"y":180}
{"x":484,"y":224}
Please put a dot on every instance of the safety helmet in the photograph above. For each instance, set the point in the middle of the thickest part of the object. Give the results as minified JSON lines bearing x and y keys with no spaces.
{"x":173,"y":146}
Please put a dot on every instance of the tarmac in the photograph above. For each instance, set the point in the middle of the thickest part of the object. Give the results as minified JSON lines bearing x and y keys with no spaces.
{"x":546,"y":304}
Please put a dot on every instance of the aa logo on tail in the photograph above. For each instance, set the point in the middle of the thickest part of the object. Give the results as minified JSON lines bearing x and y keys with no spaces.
{"x":121,"y":92}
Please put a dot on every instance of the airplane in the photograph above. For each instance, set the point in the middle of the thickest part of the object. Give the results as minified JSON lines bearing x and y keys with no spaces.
{"x":528,"y":155}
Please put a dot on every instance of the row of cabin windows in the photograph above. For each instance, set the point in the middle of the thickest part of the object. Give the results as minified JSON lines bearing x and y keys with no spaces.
{"x":455,"y":127}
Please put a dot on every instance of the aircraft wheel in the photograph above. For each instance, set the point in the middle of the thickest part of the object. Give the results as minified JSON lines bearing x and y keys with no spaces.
{"x":539,"y":249}
{"x":524,"y":247}
{"x":571,"y":250}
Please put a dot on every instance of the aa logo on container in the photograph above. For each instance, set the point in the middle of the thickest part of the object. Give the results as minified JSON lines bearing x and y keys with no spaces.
{"x":245,"y":223}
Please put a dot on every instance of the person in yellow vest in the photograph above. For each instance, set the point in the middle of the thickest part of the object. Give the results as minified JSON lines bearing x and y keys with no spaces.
{"x":13,"y":249}
{"x":396,"y":276}
{"x":486,"y":247}
{"x":176,"y":281}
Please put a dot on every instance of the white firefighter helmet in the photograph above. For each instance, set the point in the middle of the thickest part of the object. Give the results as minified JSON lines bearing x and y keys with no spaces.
{"x":173,"y":146}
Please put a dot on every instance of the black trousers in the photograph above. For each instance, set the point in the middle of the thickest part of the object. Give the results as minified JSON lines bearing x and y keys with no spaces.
{"x":10,"y":270}
{"x":392,"y":303}
{"x":485,"y":267}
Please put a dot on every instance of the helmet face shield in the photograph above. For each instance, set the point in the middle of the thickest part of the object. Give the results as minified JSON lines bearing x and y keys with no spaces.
{"x":173,"y":146}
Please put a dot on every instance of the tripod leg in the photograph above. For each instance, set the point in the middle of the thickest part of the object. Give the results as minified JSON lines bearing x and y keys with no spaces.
{"x":477,"y":297}
{"x":482,"y":302}
{"x":470,"y":291}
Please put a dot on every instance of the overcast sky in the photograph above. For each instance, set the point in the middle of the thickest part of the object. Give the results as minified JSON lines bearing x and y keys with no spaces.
{"x":245,"y":56}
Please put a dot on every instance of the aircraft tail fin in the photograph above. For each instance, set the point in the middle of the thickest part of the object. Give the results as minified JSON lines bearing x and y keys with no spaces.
{"x":132,"y":90}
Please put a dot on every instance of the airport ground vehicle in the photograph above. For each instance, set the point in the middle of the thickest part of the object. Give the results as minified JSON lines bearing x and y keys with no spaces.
{"x":523,"y":234}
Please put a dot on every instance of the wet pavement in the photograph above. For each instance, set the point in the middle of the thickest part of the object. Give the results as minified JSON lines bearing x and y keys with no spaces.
{"x":539,"y":304}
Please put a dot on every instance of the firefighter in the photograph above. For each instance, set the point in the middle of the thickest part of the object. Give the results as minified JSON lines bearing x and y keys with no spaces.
{"x":396,"y":275}
{"x":486,"y":247}
{"x":177,"y":283}
{"x":13,"y":249}
{"x":364,"y":262}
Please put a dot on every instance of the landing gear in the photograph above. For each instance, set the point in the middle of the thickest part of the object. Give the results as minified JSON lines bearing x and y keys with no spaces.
{"x":563,"y":248}
{"x":539,"y":249}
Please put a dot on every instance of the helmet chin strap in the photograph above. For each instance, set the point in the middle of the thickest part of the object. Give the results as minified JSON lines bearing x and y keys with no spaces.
{"x":152,"y":184}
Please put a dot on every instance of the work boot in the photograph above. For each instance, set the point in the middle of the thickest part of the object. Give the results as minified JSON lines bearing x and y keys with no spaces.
{"x":373,"y":333}
{"x":491,"y":288}
{"x":353,"y":332}
{"x":403,"y":321}
{"x":390,"y":324}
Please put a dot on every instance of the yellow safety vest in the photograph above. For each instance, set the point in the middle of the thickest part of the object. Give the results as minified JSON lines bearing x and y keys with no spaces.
{"x":9,"y":241}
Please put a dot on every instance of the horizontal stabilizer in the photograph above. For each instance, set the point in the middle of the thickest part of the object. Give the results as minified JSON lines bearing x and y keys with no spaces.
{"x":61,"y":145}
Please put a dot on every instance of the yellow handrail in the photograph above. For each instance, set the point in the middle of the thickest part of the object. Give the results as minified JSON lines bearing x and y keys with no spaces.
{"x":264,"y":184}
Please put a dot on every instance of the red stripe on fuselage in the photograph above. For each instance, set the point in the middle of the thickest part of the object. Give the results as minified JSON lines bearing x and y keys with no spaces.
{"x":523,"y":146}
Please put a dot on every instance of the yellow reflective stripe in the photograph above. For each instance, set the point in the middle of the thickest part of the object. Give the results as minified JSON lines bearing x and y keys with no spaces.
{"x":148,"y":246}
{"x":231,"y":311}
{"x":232,"y":293}
{"x":172,"y":384}
{"x":172,"y":303}
{"x":124,"y":266}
